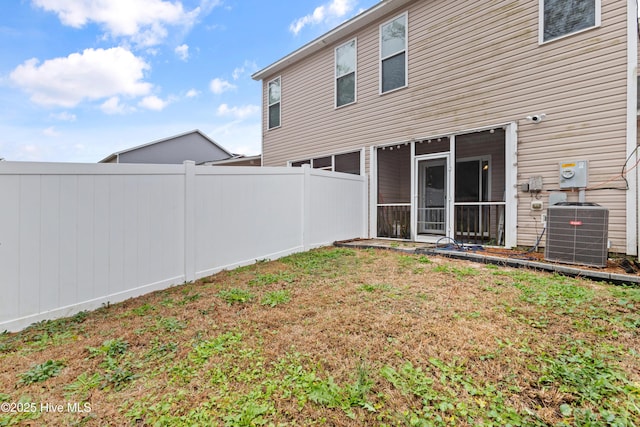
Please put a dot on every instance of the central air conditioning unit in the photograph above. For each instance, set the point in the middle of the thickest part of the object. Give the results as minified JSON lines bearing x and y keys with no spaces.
{"x":577,"y":233}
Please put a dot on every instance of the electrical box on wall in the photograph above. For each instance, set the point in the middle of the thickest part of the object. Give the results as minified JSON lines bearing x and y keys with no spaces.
{"x":573,"y":174}
{"x":535,"y":184}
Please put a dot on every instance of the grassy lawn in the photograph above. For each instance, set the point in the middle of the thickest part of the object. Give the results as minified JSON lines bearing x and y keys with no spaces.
{"x":338,"y":337}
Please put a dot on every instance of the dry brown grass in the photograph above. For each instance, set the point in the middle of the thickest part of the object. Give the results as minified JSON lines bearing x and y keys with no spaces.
{"x":481,"y":338}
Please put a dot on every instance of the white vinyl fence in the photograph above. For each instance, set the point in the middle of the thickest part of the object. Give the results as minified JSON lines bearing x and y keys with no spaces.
{"x":76,"y":236}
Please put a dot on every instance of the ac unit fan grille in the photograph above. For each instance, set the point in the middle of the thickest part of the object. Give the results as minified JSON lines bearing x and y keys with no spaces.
{"x":577,"y":235}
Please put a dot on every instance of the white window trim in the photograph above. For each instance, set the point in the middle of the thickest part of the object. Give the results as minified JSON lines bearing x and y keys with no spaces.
{"x":541,"y":41}
{"x":406,"y":53}
{"x":269,"y":104}
{"x":336,"y":76}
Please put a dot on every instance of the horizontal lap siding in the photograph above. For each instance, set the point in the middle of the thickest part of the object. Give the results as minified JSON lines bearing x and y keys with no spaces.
{"x":475,"y":64}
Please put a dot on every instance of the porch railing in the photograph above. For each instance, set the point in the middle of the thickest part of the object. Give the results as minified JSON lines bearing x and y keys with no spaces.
{"x":477,"y":223}
{"x":432,"y":220}
{"x":481,"y":223}
{"x":394,"y":221}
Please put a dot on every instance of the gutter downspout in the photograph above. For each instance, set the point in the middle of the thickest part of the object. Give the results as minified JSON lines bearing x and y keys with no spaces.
{"x":632,"y":127}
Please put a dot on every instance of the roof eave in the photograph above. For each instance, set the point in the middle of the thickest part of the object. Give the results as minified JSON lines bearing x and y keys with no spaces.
{"x":108,"y":158}
{"x":354,"y":24}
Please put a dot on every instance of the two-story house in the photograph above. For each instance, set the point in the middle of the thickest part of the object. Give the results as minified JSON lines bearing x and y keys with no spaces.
{"x":466,"y":114}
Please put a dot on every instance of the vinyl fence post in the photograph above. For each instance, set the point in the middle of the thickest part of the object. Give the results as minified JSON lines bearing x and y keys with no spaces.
{"x":365,"y":207}
{"x":189,"y":221}
{"x":306,"y":206}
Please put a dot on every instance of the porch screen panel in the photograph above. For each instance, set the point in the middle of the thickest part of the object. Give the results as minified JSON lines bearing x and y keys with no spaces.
{"x":394,"y":175}
{"x":394,"y":192}
{"x":348,"y":163}
{"x":323,"y":163}
{"x":480,"y":187}
{"x":432,"y":146}
{"x":300,"y":163}
{"x":471,"y":149}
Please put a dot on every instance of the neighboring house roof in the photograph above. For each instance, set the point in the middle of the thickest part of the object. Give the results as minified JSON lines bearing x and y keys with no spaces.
{"x":354,"y":24}
{"x":237,"y":160}
{"x":195,"y":146}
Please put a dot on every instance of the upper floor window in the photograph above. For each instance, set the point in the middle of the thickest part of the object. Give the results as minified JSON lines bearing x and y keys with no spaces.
{"x":274,"y":96}
{"x":559,"y":18}
{"x":346,"y":74}
{"x":393,"y":54}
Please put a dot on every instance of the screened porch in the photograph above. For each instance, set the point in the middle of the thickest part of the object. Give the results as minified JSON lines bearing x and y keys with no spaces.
{"x":417,"y":180}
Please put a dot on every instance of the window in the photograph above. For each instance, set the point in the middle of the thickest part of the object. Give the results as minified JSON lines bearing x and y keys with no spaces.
{"x":559,"y":18}
{"x":346,"y":74}
{"x":346,"y":163}
{"x":393,"y":54}
{"x":274,"y":96}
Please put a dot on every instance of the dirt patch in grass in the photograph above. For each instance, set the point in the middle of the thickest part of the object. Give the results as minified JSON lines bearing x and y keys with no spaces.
{"x":338,"y":337}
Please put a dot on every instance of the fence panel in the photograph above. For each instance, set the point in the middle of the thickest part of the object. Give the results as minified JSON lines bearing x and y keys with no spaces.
{"x":336,"y":206}
{"x":76,"y":236}
{"x":244,"y":215}
{"x":73,"y":237}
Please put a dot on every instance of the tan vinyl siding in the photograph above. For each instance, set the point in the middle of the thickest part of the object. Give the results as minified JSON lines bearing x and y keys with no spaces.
{"x":473,"y":65}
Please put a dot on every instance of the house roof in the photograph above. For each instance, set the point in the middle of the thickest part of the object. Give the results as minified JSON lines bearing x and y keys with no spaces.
{"x":354,"y":24}
{"x":237,"y":158}
{"x":116,"y":154}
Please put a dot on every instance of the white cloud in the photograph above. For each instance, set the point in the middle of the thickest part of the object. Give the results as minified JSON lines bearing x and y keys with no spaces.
{"x":238,"y":113}
{"x":64,"y":117}
{"x":335,"y":9}
{"x":113,"y":106}
{"x":248,"y":66}
{"x":145,"y":22}
{"x":90,"y":75}
{"x":153,"y":103}
{"x":192,"y":93}
{"x":182,"y":51}
{"x":51,"y":132}
{"x":219,"y":86}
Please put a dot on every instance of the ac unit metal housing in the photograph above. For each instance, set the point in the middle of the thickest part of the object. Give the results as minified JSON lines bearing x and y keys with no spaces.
{"x":577,"y":233}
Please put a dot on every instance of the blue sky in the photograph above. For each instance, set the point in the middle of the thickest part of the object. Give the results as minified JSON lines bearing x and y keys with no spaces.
{"x":81,"y":79}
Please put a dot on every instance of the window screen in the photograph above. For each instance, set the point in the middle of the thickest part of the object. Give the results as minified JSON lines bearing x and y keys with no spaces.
{"x":393,"y":54}
{"x":346,"y":74}
{"x":562,"y":17}
{"x":275,"y":96}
